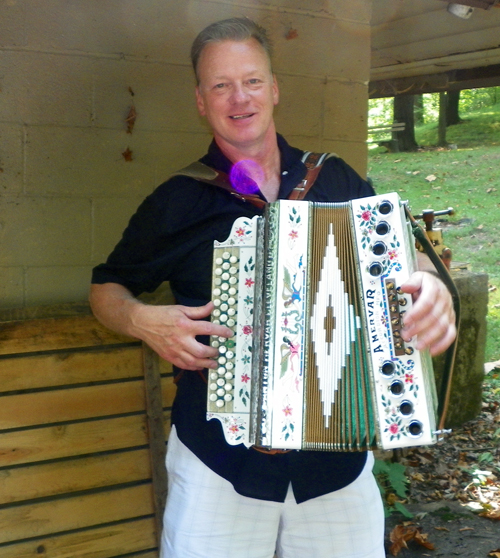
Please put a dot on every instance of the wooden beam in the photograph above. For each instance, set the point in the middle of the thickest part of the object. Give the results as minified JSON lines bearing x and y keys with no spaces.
{"x":453,"y":80}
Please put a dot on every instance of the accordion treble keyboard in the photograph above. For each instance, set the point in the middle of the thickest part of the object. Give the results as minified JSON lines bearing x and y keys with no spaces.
{"x":317,"y":361}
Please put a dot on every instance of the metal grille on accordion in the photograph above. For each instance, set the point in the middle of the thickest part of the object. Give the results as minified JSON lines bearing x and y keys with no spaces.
{"x":317,"y":360}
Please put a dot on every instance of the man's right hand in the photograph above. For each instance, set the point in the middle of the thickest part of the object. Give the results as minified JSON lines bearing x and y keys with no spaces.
{"x":171,"y":331}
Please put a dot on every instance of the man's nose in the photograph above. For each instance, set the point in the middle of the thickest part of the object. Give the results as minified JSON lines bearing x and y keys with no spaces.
{"x":239,"y":94}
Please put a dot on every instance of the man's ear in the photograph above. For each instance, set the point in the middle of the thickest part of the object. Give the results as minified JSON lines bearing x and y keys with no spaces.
{"x":276,"y":91}
{"x":199,"y":102}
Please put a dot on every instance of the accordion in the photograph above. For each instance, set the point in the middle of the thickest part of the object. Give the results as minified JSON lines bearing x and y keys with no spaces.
{"x":317,"y":360}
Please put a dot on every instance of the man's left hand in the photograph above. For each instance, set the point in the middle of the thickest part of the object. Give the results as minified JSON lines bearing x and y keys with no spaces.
{"x":432,"y":318}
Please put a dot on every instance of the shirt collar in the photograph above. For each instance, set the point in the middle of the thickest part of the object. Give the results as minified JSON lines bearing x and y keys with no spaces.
{"x":292,"y":169}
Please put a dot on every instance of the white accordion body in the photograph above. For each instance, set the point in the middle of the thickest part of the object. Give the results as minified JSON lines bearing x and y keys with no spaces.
{"x":311,"y":291}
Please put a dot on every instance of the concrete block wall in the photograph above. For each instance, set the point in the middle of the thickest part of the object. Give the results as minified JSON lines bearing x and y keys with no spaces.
{"x":71,"y":70}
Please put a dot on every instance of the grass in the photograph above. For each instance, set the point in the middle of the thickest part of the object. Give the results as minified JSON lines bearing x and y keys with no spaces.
{"x":467,"y":178}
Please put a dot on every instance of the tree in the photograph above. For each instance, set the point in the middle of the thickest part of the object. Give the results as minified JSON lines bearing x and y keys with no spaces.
{"x":452,"y":104}
{"x":443,"y":98}
{"x":403,"y":112}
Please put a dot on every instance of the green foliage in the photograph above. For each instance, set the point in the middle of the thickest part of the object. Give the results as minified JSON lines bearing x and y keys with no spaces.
{"x":466,"y":178}
{"x":392,"y":482}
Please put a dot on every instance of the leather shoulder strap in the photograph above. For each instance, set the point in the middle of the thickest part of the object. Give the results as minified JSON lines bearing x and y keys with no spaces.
{"x":313,"y":163}
{"x":204,"y":173}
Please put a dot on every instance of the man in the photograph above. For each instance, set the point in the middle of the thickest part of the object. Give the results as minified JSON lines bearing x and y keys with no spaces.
{"x":228,"y":501}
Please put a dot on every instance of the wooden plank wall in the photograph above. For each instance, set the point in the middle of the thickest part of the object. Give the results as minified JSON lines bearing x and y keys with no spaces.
{"x":75,"y":453}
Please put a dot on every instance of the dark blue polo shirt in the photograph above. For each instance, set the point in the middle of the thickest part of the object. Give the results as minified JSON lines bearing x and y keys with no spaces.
{"x":170,"y":238}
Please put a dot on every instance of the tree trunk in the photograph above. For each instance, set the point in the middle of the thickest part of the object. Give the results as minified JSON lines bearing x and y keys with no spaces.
{"x":442,"y":120}
{"x":403,"y":112}
{"x":419,"y":109}
{"x":452,"y":116}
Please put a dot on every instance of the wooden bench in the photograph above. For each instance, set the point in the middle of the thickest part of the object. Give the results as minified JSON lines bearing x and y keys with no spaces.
{"x":83,"y":416}
{"x":385,"y":128}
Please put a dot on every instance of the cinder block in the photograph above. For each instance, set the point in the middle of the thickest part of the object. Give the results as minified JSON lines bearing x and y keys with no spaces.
{"x":87,"y":161}
{"x":46,"y":88}
{"x":345,"y":115}
{"x":353,"y":153}
{"x":57,"y":285}
{"x":162,"y":95}
{"x":322,"y":47}
{"x":12,"y":32}
{"x":11,"y":287}
{"x":43,"y":231}
{"x":11,"y":159}
{"x":301,"y":105}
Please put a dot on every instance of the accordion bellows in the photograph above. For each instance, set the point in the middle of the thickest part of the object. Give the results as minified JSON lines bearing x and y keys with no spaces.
{"x":317,"y":361}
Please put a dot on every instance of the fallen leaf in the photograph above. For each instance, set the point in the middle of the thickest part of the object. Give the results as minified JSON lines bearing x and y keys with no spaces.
{"x":292,"y":34}
{"x":407,"y":532}
{"x":495,"y":553}
{"x":466,"y":529}
{"x":491,"y":514}
{"x":442,"y":529}
{"x":398,"y":160}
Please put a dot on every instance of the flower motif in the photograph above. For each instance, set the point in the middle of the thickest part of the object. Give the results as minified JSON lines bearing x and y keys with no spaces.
{"x":248,"y":300}
{"x":393,"y":254}
{"x":234,"y":428}
{"x":287,"y":411}
{"x":249,"y":282}
{"x":245,"y":359}
{"x":409,"y":378}
{"x":247,"y":329}
{"x":366,"y":215}
{"x":240,"y":232}
{"x":245,"y":378}
{"x":293,"y":235}
{"x":394,"y":428}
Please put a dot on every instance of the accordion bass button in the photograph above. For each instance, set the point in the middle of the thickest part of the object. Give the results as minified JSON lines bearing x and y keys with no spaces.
{"x":388,"y":368}
{"x":382,"y":228}
{"x":385,"y":207}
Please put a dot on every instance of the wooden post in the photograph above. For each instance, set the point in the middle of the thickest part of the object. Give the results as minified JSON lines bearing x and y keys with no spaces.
{"x":157,"y":448}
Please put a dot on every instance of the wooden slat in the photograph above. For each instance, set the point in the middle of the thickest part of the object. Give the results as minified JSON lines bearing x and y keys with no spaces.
{"x":29,"y":409}
{"x":49,"y":370}
{"x":50,"y":479}
{"x":103,"y":542}
{"x":56,"y":334}
{"x":54,"y":442}
{"x":37,"y":520}
{"x":71,"y":404}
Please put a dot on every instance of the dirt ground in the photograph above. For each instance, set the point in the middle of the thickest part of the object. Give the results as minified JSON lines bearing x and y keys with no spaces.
{"x":453,"y":493}
{"x":451,"y":529}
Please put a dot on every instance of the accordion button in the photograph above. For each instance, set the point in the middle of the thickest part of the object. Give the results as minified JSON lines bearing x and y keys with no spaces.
{"x":213,"y":397}
{"x":230,"y":354}
{"x":230,"y":322}
{"x":222,"y":350}
{"x":213,"y":375}
{"x":224,"y":307}
{"x":215,"y":343}
{"x":233,"y":259}
{"x":228,"y":397}
{"x":225,"y":276}
{"x":219,"y":403}
{"x":221,"y":360}
{"x":232,"y":291}
{"x":231,"y":301}
{"x":218,"y":272}
{"x":233,"y":270}
{"x":382,"y":228}
{"x":375,"y":269}
{"x":221,"y":370}
{"x":233,"y":280}
{"x":213,"y":387}
{"x":223,"y":318}
{"x":219,"y":261}
{"x":388,"y":368}
{"x":226,"y":266}
{"x":385,"y":207}
{"x":228,"y":387}
{"x":229,"y":366}
{"x":226,"y":255}
{"x":217,"y":292}
{"x":228,"y":376}
{"x":220,"y":382}
{"x":220,"y":392}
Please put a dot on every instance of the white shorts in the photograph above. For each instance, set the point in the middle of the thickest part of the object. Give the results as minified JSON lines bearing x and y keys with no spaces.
{"x":206,"y":518}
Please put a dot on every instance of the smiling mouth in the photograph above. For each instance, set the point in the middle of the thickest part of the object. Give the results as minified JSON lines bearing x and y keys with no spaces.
{"x":241,"y":116}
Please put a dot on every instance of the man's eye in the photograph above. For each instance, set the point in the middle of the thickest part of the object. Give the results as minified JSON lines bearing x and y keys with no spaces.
{"x":254,"y":81}
{"x":220,"y":86}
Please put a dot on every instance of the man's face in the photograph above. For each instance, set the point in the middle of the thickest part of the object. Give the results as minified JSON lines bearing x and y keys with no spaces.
{"x":237,"y":92}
